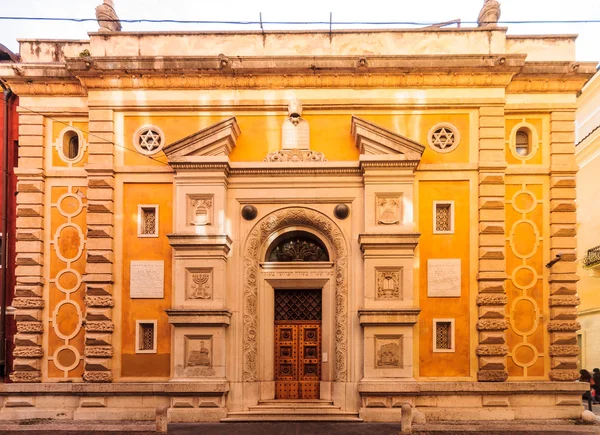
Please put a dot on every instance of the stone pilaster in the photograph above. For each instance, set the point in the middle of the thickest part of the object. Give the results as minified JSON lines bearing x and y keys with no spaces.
{"x":563,"y":280}
{"x":99,"y":273}
{"x":29,"y":286}
{"x":491,"y":301}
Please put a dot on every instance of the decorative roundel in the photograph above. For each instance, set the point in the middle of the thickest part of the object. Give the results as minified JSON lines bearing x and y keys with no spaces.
{"x":443,"y":137}
{"x":249,"y":212}
{"x":341,"y":211}
{"x":149,"y":139}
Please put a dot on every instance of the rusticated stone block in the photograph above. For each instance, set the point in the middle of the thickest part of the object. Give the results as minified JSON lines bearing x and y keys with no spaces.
{"x":563,"y":338}
{"x":92,"y":339}
{"x":98,"y":314}
{"x":492,"y":376}
{"x":491,"y":312}
{"x":98,"y":377}
{"x":557,"y":325}
{"x":564,"y":301}
{"x":492,"y":325}
{"x":30,"y":327}
{"x":562,"y":350}
{"x":28,"y":352}
{"x":492,"y":350}
{"x":105,"y":326}
{"x":26,"y":377}
{"x":28,"y":303}
{"x":564,"y":375}
{"x":492,"y":299}
{"x":99,"y":301}
{"x":492,"y":337}
{"x":97,"y":289}
{"x":98,"y":351}
{"x":32,"y":291}
{"x":26,"y":364}
{"x":564,"y":363}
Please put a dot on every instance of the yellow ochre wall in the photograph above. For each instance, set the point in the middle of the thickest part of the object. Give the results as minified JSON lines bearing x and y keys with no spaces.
{"x":435,"y":246}
{"x":329,"y":133}
{"x":147,"y":248}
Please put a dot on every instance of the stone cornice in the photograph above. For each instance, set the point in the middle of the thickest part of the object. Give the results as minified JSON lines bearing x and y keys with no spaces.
{"x":192,"y":241}
{"x":552,"y":77}
{"x":401,"y":316}
{"x":386,"y":241}
{"x":191,"y":317}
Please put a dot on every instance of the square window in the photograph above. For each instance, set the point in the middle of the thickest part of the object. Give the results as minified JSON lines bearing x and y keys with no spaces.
{"x":443,"y":217}
{"x":148,"y":220}
{"x":443,"y":335}
{"x":145,"y":336}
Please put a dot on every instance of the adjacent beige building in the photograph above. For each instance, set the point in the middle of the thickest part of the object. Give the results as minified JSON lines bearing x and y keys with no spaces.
{"x":588,"y":221}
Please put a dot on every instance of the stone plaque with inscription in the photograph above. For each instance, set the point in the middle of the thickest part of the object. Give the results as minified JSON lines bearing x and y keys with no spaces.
{"x":147,"y":280}
{"x":295,"y":135}
{"x":443,"y":278}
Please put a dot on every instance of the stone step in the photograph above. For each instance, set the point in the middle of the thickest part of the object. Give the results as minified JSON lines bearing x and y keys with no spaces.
{"x":292,"y":413}
{"x":287,"y":417}
{"x":302,"y":408}
{"x":296,"y":402}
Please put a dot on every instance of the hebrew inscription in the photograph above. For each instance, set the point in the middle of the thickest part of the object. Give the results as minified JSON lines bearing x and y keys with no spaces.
{"x":443,"y":278}
{"x":147,"y":280}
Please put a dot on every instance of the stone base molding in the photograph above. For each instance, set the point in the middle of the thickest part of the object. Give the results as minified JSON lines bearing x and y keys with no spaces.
{"x":470,"y":401}
{"x":117,"y":402}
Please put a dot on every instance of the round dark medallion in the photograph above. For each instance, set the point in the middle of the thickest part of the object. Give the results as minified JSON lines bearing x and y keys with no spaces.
{"x":341,"y":211}
{"x":249,"y":212}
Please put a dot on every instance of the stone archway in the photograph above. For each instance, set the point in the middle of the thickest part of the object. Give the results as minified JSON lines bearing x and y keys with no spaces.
{"x":260,"y":233}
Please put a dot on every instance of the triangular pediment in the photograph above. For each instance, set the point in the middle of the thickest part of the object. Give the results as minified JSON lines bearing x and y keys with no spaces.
{"x":373,"y":139}
{"x":216,"y":140}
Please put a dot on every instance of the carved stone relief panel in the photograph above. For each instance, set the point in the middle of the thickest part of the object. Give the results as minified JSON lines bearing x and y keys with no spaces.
{"x":199,"y":209}
{"x":388,"y":283}
{"x":198,"y":283}
{"x":198,"y":360}
{"x":389,"y":208}
{"x":389,"y":352}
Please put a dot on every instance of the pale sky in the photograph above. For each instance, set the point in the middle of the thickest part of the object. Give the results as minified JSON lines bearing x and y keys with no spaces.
{"x":588,"y":43}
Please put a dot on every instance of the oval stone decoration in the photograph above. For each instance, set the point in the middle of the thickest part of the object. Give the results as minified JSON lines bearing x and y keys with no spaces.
{"x":68,"y":245}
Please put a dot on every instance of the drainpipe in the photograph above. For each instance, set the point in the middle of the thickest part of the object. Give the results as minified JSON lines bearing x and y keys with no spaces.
{"x":7,"y":93}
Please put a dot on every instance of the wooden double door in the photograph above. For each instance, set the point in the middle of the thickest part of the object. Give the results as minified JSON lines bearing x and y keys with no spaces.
{"x":297,"y":344}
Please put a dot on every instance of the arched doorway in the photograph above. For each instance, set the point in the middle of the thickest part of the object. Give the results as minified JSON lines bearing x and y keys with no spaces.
{"x":263,"y":278}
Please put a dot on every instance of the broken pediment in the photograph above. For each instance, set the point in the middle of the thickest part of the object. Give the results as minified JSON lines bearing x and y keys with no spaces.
{"x":372,"y":139}
{"x":216,"y":140}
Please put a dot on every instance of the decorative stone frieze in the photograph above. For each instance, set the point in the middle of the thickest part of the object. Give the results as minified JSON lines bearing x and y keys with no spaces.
{"x":492,"y":265}
{"x":29,"y":246}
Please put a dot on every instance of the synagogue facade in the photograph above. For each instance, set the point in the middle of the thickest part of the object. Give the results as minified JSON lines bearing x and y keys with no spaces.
{"x":232,"y":224}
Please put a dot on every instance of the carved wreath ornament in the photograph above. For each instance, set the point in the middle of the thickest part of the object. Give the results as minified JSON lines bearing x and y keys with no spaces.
{"x":257,"y":238}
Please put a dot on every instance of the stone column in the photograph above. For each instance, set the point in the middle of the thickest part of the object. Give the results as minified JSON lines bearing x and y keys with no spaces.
{"x":30,"y":250}
{"x":99,"y":273}
{"x":491,"y":301}
{"x":563,"y":281}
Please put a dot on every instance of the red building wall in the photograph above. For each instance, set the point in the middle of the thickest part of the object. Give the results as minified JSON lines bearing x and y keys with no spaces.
{"x":10,"y":238}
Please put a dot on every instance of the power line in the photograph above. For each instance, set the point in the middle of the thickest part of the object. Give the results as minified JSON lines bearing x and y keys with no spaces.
{"x":327,"y":23}
{"x":83,"y":131}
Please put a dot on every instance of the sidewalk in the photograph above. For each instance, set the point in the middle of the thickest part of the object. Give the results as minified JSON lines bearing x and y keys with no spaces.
{"x":291,"y":428}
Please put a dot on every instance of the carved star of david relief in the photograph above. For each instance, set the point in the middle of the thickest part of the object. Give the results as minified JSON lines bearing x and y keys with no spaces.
{"x":443,"y":138}
{"x":149,"y":139}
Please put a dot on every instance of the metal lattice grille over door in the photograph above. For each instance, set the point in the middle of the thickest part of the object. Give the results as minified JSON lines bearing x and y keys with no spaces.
{"x":297,"y":344}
